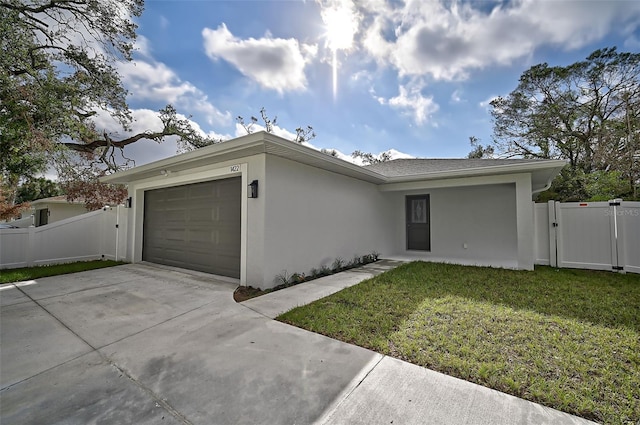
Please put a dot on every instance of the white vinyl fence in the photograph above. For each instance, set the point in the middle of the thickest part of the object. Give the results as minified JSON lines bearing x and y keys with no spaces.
{"x":588,"y":235}
{"x":22,"y":222}
{"x":96,"y":235}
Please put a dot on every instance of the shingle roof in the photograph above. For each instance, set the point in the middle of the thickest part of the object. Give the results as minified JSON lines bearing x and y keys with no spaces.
{"x":416,"y":166}
{"x":62,"y":199}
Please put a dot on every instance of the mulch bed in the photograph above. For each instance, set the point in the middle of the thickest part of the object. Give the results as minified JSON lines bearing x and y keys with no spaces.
{"x":243,"y":293}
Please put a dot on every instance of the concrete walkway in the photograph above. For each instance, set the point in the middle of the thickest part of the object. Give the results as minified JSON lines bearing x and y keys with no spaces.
{"x":275,"y":303}
{"x":148,"y":345}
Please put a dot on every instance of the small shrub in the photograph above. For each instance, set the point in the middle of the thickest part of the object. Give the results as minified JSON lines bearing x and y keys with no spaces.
{"x":297,"y":278}
{"x":337,"y":265}
{"x":314,"y":273}
{"x":283,"y":278}
{"x":324,"y":270}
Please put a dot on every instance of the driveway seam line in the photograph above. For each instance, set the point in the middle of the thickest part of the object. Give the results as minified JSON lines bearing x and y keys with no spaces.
{"x":260,"y":313}
{"x":46,"y":370}
{"x":328,"y":415}
{"x":148,"y":391}
{"x":154,"y":325}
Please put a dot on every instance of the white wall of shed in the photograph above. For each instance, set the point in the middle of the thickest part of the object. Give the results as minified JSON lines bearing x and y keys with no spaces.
{"x":60,"y":211}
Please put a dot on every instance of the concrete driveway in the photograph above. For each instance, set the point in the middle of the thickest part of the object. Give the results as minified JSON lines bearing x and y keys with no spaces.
{"x":140,"y":344}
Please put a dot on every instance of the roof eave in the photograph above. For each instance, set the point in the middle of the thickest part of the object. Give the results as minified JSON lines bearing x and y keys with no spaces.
{"x":261,"y":142}
{"x":482,"y":171}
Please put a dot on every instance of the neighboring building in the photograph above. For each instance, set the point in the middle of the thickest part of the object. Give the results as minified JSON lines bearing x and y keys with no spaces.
{"x":256,"y":206}
{"x":50,"y":210}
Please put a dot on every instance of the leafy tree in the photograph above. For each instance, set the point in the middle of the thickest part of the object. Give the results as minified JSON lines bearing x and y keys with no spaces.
{"x":303,"y":134}
{"x":10,"y":210}
{"x":480,"y":151}
{"x":37,"y":188}
{"x":330,"y":152}
{"x":587,"y":113}
{"x":369,"y":158}
{"x":57,"y":72}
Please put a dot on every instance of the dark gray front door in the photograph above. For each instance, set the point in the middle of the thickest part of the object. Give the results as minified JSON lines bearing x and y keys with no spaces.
{"x":195,"y":226}
{"x":418,"y":223}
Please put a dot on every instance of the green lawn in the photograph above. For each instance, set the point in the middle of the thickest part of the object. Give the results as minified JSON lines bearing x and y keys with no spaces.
{"x":568,"y":339}
{"x":29,"y":273}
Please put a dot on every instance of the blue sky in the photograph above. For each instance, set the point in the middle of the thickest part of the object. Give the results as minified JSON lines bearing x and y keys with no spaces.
{"x":413,"y":76}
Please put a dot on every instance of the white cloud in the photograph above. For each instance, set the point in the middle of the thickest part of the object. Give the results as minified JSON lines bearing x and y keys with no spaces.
{"x":145,"y":150}
{"x":393,"y":154}
{"x":413,"y":102}
{"x":278,"y":131}
{"x":147,"y":79}
{"x":447,"y":40}
{"x":486,"y":104}
{"x":274,"y":63}
{"x":142,"y":47}
{"x":456,"y":96}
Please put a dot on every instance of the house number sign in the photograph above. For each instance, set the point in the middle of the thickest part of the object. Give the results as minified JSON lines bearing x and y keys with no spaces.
{"x":234,"y":168}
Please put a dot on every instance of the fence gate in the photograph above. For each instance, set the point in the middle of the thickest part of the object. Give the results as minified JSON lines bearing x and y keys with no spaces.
{"x":593,"y":235}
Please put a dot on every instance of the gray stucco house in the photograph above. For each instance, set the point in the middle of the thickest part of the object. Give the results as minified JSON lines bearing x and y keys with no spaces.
{"x":254,"y":206}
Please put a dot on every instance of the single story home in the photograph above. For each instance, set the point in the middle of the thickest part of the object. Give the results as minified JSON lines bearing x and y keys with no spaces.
{"x":56,"y":208}
{"x":258,"y":206}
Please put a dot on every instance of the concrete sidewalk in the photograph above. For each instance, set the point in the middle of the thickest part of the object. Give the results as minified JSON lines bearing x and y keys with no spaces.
{"x":391,"y":391}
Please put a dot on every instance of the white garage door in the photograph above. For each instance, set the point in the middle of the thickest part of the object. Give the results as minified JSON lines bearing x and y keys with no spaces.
{"x":195,"y":226}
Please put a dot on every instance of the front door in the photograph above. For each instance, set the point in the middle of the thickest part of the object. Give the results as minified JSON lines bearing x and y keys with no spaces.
{"x":418,"y":223}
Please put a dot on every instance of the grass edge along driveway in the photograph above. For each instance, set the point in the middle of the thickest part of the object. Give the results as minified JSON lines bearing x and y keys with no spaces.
{"x":565,"y":338}
{"x":30,"y":273}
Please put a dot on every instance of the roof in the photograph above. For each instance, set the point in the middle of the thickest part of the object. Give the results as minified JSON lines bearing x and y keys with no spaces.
{"x":62,"y":199}
{"x":395,"y":171}
{"x":241,"y":147}
{"x":419,"y":166}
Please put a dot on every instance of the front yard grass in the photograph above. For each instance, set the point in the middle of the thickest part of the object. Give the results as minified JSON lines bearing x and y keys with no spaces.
{"x":568,"y":339}
{"x":29,"y":273}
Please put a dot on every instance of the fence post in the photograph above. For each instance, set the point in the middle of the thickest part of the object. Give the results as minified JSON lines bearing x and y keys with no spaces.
{"x":117,"y":231}
{"x":551,"y":210}
{"x":31,"y":245}
{"x":104,"y":216}
{"x":617,"y":235}
{"x":557,"y":211}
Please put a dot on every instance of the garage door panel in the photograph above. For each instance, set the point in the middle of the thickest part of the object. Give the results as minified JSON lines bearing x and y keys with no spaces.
{"x":204,"y":238}
{"x":175,"y":192}
{"x":195,"y":226}
{"x":178,"y":216}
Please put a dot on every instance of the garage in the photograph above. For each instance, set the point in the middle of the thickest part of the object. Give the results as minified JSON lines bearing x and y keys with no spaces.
{"x":195,"y":226}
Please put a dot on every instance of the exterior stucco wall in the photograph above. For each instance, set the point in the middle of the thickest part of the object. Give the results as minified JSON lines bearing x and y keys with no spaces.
{"x":469,"y":225}
{"x":313,"y":216}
